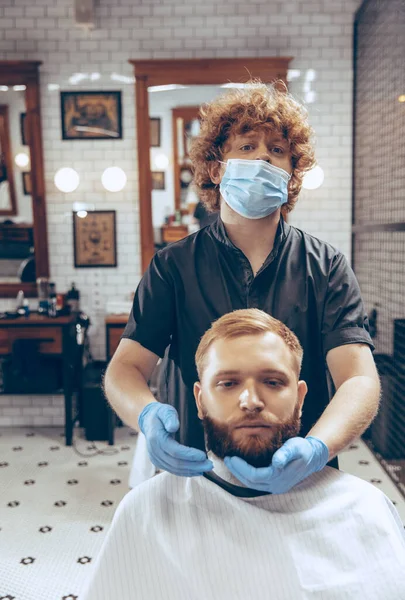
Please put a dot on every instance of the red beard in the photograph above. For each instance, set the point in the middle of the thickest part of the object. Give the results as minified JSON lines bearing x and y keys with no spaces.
{"x":256,"y":449}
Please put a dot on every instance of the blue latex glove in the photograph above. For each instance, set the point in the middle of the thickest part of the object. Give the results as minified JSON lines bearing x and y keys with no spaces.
{"x":158,"y":422}
{"x":294,"y":461}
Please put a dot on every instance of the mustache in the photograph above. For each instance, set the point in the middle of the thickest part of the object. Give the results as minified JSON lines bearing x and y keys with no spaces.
{"x":253,"y":421}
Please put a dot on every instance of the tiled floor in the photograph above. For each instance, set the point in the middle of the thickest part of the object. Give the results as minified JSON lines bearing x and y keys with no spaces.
{"x":360,"y":461}
{"x":56,"y":506}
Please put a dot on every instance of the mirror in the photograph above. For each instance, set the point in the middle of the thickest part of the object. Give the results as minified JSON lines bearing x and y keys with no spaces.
{"x":17,"y":260}
{"x":23,"y":239}
{"x":166,"y":167}
{"x":174,"y":119}
{"x":186,"y":126}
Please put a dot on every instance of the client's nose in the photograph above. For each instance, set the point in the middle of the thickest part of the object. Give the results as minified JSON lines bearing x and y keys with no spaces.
{"x":250,"y":399}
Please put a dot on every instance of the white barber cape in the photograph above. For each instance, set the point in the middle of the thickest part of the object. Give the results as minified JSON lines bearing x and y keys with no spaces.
{"x":332,"y":537}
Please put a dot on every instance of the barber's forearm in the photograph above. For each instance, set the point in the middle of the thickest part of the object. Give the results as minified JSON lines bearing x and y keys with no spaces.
{"x":348,"y":414}
{"x":127,"y":391}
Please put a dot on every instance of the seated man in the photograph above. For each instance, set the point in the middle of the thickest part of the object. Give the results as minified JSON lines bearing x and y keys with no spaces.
{"x":331,"y":537}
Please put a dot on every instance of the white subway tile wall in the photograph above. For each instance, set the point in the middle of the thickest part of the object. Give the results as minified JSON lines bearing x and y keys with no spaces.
{"x":318,"y":35}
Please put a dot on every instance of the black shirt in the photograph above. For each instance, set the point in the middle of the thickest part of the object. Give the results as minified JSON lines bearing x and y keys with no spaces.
{"x":305,"y":283}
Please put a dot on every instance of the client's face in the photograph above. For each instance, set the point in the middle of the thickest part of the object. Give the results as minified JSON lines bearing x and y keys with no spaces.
{"x":249,"y":398}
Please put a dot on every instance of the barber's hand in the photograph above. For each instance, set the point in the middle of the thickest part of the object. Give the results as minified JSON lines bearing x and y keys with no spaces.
{"x":158,"y":422}
{"x":294,"y":461}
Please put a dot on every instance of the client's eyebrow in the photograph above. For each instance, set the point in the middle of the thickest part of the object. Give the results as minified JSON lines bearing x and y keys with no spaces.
{"x":233,"y":372}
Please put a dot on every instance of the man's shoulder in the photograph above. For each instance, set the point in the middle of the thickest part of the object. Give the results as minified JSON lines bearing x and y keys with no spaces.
{"x":312,"y":244}
{"x":184,"y":249}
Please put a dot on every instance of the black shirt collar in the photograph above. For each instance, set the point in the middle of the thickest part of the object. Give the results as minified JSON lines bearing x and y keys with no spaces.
{"x":221,"y":476}
{"x":218,"y":231}
{"x":235,"y":490}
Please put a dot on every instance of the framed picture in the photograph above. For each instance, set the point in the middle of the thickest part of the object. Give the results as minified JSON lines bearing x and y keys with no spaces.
{"x":26,"y":179}
{"x":91,"y":115}
{"x":158,"y":180}
{"x":23,"y":129}
{"x":154,"y":132}
{"x":95,"y":240}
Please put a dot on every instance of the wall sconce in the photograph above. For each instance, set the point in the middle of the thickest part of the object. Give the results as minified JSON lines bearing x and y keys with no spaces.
{"x":313,"y":179}
{"x":160,"y":161}
{"x":22,"y":160}
{"x":114,"y":179}
{"x":66,"y":179}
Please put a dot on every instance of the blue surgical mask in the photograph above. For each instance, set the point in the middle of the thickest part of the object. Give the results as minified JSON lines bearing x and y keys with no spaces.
{"x":254,"y":188}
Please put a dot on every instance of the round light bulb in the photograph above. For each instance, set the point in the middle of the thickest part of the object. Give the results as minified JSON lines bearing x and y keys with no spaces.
{"x":66,"y":179}
{"x":313,"y":179}
{"x":114,"y":179}
{"x":161,"y":161}
{"x":82,"y":214}
{"x":22,"y":160}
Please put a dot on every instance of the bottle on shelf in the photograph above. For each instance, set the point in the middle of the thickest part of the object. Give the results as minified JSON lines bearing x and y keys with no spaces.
{"x":43,"y":295}
{"x":22,"y":306}
{"x":26,"y":307}
{"x":73,"y":299}
{"x":52,"y":312}
{"x":19,"y":300}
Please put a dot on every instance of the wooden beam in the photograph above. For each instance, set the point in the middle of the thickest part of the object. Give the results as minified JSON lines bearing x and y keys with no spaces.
{"x":145,"y":183}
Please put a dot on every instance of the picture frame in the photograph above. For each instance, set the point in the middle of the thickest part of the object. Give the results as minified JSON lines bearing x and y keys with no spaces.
{"x":154,"y":132}
{"x":95,"y":239}
{"x":90,"y":115}
{"x":26,"y":181}
{"x":158,"y":180}
{"x":23,"y":129}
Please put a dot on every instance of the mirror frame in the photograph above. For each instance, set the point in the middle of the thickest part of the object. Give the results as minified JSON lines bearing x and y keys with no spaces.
{"x":193,"y":71}
{"x":6,"y":143}
{"x":24,"y":72}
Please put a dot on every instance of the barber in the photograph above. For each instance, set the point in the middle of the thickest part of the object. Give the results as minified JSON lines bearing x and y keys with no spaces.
{"x":249,"y":160}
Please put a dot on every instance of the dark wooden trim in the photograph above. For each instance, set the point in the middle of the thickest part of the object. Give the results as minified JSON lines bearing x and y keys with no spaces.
{"x":27,"y":73}
{"x":10,"y":290}
{"x":19,"y":72}
{"x":145,"y":179}
{"x":5,"y":146}
{"x":37,"y":178}
{"x":26,"y":175}
{"x":195,"y":71}
{"x":35,"y":319}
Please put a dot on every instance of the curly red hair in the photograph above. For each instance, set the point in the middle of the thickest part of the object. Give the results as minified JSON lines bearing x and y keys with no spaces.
{"x":257,"y":106}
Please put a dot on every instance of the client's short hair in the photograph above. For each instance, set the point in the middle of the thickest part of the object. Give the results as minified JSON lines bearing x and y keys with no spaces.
{"x":249,"y":321}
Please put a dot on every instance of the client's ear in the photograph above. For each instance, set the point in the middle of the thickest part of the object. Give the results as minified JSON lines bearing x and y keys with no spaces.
{"x":197,"y":396}
{"x":302,"y":392}
{"x":214,"y":170}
